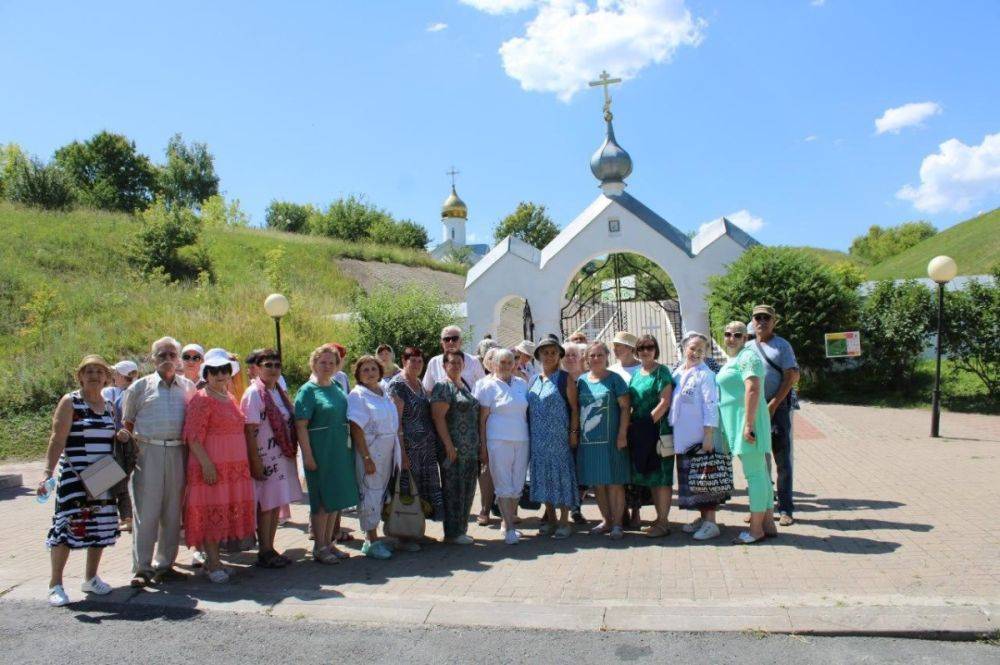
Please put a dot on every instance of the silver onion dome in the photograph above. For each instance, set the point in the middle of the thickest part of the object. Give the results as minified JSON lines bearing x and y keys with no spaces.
{"x":611,"y":163}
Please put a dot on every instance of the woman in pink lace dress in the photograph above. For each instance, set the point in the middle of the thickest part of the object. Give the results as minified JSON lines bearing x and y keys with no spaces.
{"x":219,"y":501}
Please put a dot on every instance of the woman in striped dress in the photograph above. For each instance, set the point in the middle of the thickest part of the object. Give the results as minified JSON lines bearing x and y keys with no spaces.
{"x":83,"y":431}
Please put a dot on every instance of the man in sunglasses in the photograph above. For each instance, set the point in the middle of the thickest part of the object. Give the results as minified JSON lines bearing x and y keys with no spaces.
{"x":782,"y":372}
{"x":451,"y":340}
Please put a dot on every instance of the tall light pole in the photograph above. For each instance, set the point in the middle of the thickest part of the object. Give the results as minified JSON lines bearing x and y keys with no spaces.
{"x":276,"y":306}
{"x":942,"y":269}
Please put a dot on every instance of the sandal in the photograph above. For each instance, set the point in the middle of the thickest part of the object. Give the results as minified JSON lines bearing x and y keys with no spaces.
{"x":140,"y":580}
{"x":746,"y":539}
{"x":344,"y":537}
{"x":325,"y":556}
{"x":483,"y":519}
{"x":269,"y":559}
{"x":657,"y":531}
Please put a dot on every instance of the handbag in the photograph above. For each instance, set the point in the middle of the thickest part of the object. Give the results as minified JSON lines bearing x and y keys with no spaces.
{"x":99,"y":476}
{"x":405,"y":513}
{"x":711,"y":473}
{"x":665,"y":446}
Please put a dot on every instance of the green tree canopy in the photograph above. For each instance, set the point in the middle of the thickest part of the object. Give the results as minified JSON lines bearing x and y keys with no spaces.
{"x":288,"y":216}
{"x":399,"y":317}
{"x":894,"y":321}
{"x":879,"y":244}
{"x":109,"y":173}
{"x":809,"y":296}
{"x":529,"y":223}
{"x":972,"y":330}
{"x":349,"y":219}
{"x":188,"y":178}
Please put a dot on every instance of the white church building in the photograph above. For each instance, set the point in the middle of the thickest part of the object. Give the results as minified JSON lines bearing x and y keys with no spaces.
{"x":454,"y":217}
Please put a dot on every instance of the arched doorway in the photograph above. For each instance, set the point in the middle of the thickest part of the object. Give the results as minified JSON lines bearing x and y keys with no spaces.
{"x":624,"y":291}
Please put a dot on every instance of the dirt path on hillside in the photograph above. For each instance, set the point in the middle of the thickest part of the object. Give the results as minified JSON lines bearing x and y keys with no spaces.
{"x":371,"y":274}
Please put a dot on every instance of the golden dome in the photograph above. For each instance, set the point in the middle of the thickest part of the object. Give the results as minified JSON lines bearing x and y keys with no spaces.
{"x":454,"y":206}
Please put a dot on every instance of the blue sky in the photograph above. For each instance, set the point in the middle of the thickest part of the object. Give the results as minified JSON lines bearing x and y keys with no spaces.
{"x":766,"y":109}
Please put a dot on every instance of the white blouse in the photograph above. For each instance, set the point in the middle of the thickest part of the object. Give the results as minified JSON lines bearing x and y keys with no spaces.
{"x":508,"y":405}
{"x":694,"y":406}
{"x":376,"y":415}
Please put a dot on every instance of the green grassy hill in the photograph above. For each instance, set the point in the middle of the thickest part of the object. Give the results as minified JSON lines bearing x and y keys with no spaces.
{"x":832,"y":256}
{"x":974,"y":244}
{"x":67,"y":289}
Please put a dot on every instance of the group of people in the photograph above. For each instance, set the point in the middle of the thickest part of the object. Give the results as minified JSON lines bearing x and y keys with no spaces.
{"x":215,"y":451}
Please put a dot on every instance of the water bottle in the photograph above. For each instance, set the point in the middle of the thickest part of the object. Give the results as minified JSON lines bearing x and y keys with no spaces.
{"x":50,"y":486}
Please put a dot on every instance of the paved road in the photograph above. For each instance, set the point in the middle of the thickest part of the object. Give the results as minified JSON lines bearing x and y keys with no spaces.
{"x":31,"y":632}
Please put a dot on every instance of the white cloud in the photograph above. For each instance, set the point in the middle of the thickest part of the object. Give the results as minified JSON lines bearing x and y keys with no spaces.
{"x":907,"y":115}
{"x":810,"y":138}
{"x":500,"y":6}
{"x":437,"y":27}
{"x":818,"y":3}
{"x":741,"y":218}
{"x":956,"y":177}
{"x":569,"y":42}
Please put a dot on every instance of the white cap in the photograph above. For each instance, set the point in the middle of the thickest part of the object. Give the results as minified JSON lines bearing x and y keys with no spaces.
{"x":194,"y":347}
{"x":125,"y":367}
{"x":218,"y":358}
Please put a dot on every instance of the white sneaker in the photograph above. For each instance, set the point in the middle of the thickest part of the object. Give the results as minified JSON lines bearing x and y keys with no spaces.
{"x":707,"y":531}
{"x":57,"y":596}
{"x":218,"y":576}
{"x":511,"y":538}
{"x":692,"y":527}
{"x":462,"y":539}
{"x":197,"y":559}
{"x":96,"y":586}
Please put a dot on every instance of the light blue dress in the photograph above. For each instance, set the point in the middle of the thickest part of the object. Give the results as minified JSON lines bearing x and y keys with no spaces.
{"x":553,"y":471}
{"x":598,"y":459}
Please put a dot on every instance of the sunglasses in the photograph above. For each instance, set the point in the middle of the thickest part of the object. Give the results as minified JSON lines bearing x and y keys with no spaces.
{"x":270,"y":364}
{"x":761,"y":317}
{"x":645,"y":347}
{"x":734,"y":335}
{"x":190,"y":357}
{"x":451,"y":338}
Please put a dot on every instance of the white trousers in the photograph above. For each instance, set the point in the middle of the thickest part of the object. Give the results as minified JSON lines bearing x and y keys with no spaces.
{"x":508,"y":466}
{"x":371,"y":488}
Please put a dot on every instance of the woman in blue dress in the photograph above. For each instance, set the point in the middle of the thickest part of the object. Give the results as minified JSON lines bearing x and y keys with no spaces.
{"x":553,"y":424}
{"x":602,"y":460}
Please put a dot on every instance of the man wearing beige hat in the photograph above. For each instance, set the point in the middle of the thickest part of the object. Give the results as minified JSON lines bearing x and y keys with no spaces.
{"x":781,"y":374}
{"x":153,"y":411}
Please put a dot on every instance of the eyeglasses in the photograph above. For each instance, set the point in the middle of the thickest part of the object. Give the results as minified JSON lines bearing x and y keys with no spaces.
{"x":761,"y":317}
{"x":734,"y":335}
{"x":270,"y":364}
{"x":190,"y":357}
{"x":165,"y":354}
{"x":451,"y":338}
{"x":645,"y":347}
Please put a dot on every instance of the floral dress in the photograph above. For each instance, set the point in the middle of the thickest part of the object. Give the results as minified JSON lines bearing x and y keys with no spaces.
{"x":598,"y":459}
{"x":458,"y":478}
{"x":420,"y":441}
{"x":553,"y":472}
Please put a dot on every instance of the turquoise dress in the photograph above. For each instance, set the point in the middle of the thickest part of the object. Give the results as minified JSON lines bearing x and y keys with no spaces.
{"x":645,"y":390}
{"x":333,"y":485}
{"x":732,"y":393}
{"x":598,"y":459}
{"x":553,"y":474}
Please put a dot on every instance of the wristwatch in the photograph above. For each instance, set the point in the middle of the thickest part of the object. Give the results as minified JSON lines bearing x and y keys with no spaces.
{"x":367,"y":458}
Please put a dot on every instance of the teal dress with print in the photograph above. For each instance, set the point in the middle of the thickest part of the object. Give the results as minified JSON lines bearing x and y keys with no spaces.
{"x":333,"y":485}
{"x":645,"y":390}
{"x":598,"y":459}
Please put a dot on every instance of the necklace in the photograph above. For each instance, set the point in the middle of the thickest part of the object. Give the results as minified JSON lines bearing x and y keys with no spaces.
{"x":218,"y":395}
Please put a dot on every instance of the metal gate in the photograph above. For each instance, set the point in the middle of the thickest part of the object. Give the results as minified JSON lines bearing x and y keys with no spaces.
{"x":617,"y":293}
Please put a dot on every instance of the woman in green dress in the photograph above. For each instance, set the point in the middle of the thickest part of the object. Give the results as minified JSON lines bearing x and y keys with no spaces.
{"x":321,"y":424}
{"x":650,"y":389}
{"x":602,"y":458}
{"x":746,"y":428}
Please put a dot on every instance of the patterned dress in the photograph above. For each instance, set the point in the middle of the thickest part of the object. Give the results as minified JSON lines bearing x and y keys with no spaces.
{"x":420,"y":441}
{"x":225,"y":512}
{"x":598,"y":460}
{"x":78,"y":521}
{"x":280,"y":486}
{"x":459,"y":477}
{"x":645,"y":390}
{"x":553,"y":472}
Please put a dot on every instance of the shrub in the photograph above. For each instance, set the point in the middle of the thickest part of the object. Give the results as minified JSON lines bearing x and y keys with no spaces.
{"x":287,"y":216}
{"x":109,"y":173}
{"x":879,"y":244}
{"x":348,"y":219}
{"x":32,"y":183}
{"x":406,"y":233}
{"x":894,"y":322}
{"x":167,"y":243}
{"x":810,"y":298}
{"x":972,"y":330}
{"x":217,"y":214}
{"x":407,"y":316}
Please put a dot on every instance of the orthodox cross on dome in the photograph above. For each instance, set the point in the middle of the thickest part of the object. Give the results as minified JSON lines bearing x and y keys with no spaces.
{"x":452,"y":173}
{"x":605,"y":80}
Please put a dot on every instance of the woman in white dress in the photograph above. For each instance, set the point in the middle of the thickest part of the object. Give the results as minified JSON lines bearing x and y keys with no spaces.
{"x":375,"y":431}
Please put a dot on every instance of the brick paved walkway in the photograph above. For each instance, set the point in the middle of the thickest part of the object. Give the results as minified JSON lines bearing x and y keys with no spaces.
{"x":886,"y":516}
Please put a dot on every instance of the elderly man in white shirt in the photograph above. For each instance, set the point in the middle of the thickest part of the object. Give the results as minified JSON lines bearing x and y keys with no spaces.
{"x":451,"y":340}
{"x":153,"y":411}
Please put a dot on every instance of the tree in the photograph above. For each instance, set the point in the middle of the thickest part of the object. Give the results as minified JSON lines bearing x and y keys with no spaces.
{"x":167,"y":244}
{"x":216,"y":213}
{"x":810,"y":298}
{"x":11,"y":156}
{"x":529,"y":223}
{"x":109,"y":173}
{"x":31,"y":182}
{"x":972,"y":330}
{"x":349,"y":219}
{"x":405,"y":233}
{"x":188,"y":178}
{"x":287,"y":216}
{"x":879,"y":244}
{"x":399,"y":317}
{"x":894,"y":320}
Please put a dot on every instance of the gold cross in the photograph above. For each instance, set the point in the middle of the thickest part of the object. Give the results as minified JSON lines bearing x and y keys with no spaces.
{"x":605,"y":80}
{"x":452,"y":173}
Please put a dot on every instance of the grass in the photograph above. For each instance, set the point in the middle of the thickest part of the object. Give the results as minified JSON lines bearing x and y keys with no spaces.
{"x":833,"y":256}
{"x":974,"y":244}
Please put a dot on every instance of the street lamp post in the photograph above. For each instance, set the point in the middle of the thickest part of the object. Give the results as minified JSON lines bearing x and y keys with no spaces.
{"x":276,"y":306}
{"x":942,"y":269}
